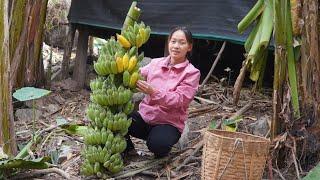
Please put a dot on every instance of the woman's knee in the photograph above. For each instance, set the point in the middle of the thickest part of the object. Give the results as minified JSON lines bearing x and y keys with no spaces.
{"x":158,"y":147}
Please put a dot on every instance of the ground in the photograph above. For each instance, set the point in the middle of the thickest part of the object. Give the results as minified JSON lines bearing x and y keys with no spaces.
{"x":66,"y":102}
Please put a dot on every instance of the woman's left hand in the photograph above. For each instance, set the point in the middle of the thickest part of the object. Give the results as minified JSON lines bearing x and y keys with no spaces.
{"x":145,"y":87}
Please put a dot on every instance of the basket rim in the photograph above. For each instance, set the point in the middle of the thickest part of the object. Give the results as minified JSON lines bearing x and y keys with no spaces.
{"x":263,"y":139}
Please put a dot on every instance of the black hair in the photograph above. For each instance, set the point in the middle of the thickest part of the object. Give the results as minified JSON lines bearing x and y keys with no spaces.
{"x":186,"y":32}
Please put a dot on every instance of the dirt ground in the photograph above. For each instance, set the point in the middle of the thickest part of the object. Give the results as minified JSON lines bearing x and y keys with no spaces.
{"x":65,"y":102}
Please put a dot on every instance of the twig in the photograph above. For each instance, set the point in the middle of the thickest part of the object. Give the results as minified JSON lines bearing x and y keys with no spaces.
{"x":295,"y":163}
{"x":241,"y":111}
{"x":189,"y":158}
{"x":201,"y":109}
{"x":138,"y":170}
{"x":279,"y":173}
{"x":270,"y":169}
{"x":45,"y":140}
{"x":36,"y":173}
{"x":213,"y":65}
{"x":183,"y":175}
{"x":206,"y":100}
{"x":150,"y":173}
{"x":168,"y":172}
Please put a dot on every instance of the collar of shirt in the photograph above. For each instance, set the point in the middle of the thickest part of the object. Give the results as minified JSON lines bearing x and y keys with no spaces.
{"x":166,"y":63}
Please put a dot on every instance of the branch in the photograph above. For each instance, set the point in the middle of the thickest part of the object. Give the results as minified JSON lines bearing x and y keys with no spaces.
{"x":206,"y":100}
{"x":41,"y":172}
{"x":189,"y":158}
{"x":213,"y":65}
{"x":241,"y":111}
{"x":238,"y":84}
{"x":133,"y":172}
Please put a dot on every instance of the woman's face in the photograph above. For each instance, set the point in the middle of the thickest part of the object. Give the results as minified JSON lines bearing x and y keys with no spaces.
{"x":179,"y":46}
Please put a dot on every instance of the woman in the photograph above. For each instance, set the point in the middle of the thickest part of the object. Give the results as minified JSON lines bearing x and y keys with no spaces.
{"x":171,"y":83}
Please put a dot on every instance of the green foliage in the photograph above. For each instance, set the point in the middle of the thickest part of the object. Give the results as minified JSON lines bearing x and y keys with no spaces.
{"x":30,"y":93}
{"x":227,"y":124}
{"x":314,"y":174}
{"x":39,"y":163}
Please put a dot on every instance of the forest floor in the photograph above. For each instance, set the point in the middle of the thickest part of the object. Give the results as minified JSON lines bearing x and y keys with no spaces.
{"x":67,"y":104}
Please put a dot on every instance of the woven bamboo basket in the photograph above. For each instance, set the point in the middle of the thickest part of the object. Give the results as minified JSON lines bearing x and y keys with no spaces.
{"x":233,"y":155}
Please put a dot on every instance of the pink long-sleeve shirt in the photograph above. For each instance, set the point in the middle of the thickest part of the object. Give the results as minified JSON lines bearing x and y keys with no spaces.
{"x":176,"y":86}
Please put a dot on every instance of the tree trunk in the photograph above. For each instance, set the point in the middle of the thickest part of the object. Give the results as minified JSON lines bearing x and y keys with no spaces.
{"x":34,"y":64}
{"x":28,"y":18}
{"x":7,"y":135}
{"x":310,"y":62}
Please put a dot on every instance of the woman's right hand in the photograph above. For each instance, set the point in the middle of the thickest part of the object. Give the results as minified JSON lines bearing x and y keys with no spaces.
{"x":145,"y":87}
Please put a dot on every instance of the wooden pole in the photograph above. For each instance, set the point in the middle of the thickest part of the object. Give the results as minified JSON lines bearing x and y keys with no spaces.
{"x":80,"y":68}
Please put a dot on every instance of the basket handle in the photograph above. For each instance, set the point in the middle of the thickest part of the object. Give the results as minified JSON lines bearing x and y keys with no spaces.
{"x":236,"y":144}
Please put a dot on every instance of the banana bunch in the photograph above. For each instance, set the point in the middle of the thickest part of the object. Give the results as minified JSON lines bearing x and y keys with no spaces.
{"x":114,"y":164}
{"x":116,"y":123}
{"x":111,"y":100}
{"x":135,"y":35}
{"x":95,"y":111}
{"x":106,"y":63}
{"x":111,"y":96}
{"x":96,"y":154}
{"x":119,"y":63}
{"x":98,"y":136}
{"x":97,"y":83}
{"x":89,"y":169}
{"x":131,"y":75}
{"x":110,"y":50}
{"x":116,"y":145}
{"x":128,"y":108}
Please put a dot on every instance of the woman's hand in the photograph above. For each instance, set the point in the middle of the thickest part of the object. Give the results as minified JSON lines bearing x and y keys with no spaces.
{"x":145,"y":87}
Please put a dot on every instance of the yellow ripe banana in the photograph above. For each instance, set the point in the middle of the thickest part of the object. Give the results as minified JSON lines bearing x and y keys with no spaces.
{"x":139,"y":40}
{"x":125,"y":61}
{"x":132,"y":63}
{"x":119,"y":62}
{"x":123,"y":41}
{"x":133,"y":79}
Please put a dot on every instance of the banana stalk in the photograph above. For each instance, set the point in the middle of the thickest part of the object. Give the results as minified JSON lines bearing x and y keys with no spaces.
{"x":258,"y":62}
{"x":267,"y":24}
{"x":251,"y":16}
{"x":291,"y":65}
{"x":259,"y":82}
{"x":279,"y":62}
{"x":255,"y":44}
{"x":132,"y":16}
{"x":251,"y":37}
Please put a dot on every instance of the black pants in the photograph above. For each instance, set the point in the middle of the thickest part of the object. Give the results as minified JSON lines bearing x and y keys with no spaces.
{"x":159,"y":138}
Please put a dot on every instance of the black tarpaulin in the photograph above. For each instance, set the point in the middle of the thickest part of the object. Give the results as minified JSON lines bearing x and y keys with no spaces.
{"x":207,"y":19}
